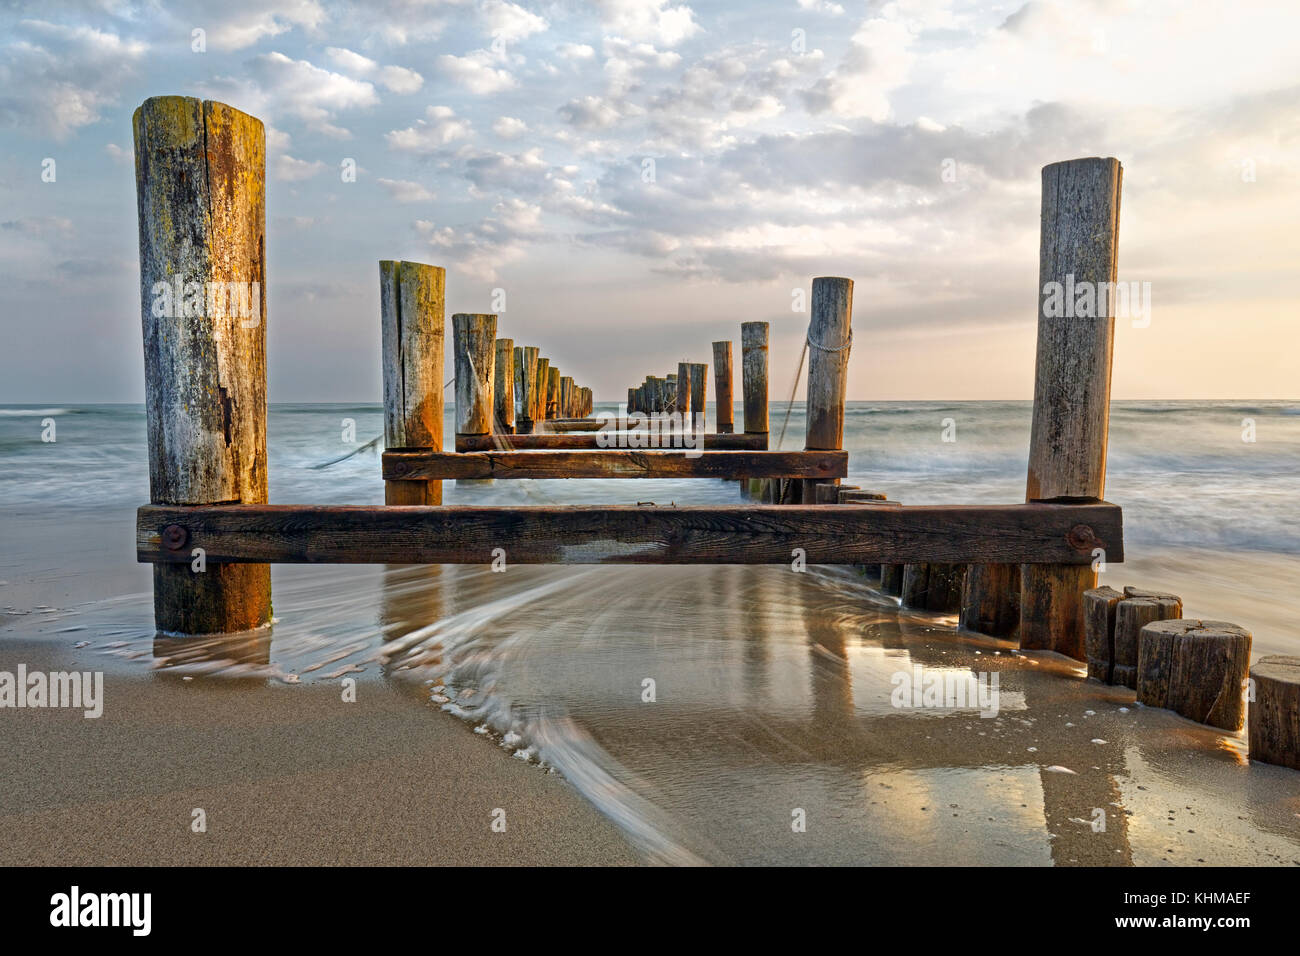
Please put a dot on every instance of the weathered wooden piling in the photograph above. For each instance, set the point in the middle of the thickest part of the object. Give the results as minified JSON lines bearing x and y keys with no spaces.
{"x":565,"y":409}
{"x":474,"y":342}
{"x":1132,"y":614}
{"x":503,"y":385}
{"x":1275,"y":711}
{"x":200,"y":174}
{"x":891,"y":579}
{"x":553,"y":392}
{"x":1099,"y":612}
{"x":930,"y":586}
{"x":682,"y":397}
{"x":753,"y":375}
{"x":699,"y":395}
{"x":543,"y":389}
{"x":1067,"y":446}
{"x":527,"y":374}
{"x":990,"y":599}
{"x":412,"y":303}
{"x":1197,"y":669}
{"x":830,"y":337}
{"x":722,"y":397}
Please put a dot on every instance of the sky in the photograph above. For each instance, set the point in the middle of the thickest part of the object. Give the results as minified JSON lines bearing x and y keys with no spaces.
{"x":638,"y":177}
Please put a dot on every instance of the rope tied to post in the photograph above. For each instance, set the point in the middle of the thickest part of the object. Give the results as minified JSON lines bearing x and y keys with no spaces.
{"x":826,"y":348}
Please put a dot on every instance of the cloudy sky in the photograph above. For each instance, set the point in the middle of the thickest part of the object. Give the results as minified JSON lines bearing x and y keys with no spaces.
{"x":510,"y":143}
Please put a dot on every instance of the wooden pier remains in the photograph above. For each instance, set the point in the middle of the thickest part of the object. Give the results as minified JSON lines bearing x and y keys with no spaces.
{"x":1025,"y":568}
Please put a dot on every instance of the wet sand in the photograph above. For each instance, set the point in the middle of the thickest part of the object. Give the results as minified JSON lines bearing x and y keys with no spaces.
{"x":773,"y":695}
{"x":285,"y":774}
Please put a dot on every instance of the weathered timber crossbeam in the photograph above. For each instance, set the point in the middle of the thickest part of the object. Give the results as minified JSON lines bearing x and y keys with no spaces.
{"x":544,"y":442}
{"x":408,"y":464}
{"x":1038,"y":533}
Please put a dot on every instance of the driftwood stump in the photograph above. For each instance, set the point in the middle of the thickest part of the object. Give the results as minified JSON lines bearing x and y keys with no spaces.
{"x":1195,"y":668}
{"x":1275,"y":711}
{"x":1099,"y":611}
{"x":1136,"y":611}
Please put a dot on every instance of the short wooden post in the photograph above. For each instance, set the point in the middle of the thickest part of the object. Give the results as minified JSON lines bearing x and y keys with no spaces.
{"x":830,"y":336}
{"x":1132,"y":614}
{"x":1067,"y":444}
{"x":474,"y":341}
{"x":200,"y":176}
{"x":682,"y":398}
{"x":1197,"y":669}
{"x":1275,"y":711}
{"x":1099,"y":611}
{"x":891,"y":579}
{"x":724,"y":413}
{"x":932,"y":586}
{"x":503,"y":385}
{"x":699,"y":394}
{"x":412,"y":299}
{"x":543,"y":389}
{"x":753,"y":375}
{"x":631,"y":401}
{"x":990,"y":599}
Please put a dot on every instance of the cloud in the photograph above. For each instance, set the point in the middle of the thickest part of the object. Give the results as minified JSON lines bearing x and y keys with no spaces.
{"x":55,"y":79}
{"x":475,"y":72}
{"x":507,"y":127}
{"x":398,"y":79}
{"x":429,"y":135}
{"x":651,"y":20}
{"x":575,"y":51}
{"x":274,"y":83}
{"x":403,"y":190}
{"x":290,"y":170}
{"x":480,"y":249}
{"x":510,"y":22}
{"x":878,"y":61}
{"x":237,"y":24}
{"x":589,"y":112}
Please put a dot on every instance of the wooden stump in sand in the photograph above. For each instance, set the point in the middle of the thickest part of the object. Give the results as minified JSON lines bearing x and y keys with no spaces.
{"x":1099,"y":611}
{"x":1275,"y":711}
{"x":1195,"y":668}
{"x":1134,"y":612}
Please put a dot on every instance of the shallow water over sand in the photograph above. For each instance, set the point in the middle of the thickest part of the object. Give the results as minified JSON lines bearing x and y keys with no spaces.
{"x":773,"y":691}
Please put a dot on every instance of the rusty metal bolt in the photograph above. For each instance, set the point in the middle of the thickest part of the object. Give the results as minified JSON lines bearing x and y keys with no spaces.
{"x":174,"y":537}
{"x":1081,"y":538}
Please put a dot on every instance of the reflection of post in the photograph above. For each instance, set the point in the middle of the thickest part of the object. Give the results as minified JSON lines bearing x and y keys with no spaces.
{"x":1067,"y":446}
{"x":200,"y":173}
{"x":412,"y":598}
{"x":411,"y":303}
{"x":830,"y":675}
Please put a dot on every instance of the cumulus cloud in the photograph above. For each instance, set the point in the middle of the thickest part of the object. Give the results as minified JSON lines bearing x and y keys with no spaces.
{"x":656,"y":21}
{"x":508,"y":127}
{"x":403,"y":190}
{"x":56,"y":79}
{"x":439,"y":127}
{"x":398,"y":79}
{"x":476,"y":72}
{"x":290,"y":170}
{"x":274,"y":84}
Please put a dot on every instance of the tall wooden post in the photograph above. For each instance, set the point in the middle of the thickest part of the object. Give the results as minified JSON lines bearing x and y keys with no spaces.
{"x":631,"y":401}
{"x":566,"y":397}
{"x":200,"y":177}
{"x":682,"y":396}
{"x":1067,"y":446}
{"x":553,"y":392}
{"x":699,"y":393}
{"x":722,"y":388}
{"x":474,"y":341}
{"x":543,"y":390}
{"x":503,"y":385}
{"x":526,"y":375}
{"x":412,"y":300}
{"x":753,"y":375}
{"x":830,"y":335}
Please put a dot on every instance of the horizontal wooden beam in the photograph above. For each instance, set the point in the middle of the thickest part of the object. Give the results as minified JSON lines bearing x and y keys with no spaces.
{"x":575,"y":442}
{"x":409,"y":464}
{"x":1036,"y":533}
{"x":575,"y":424}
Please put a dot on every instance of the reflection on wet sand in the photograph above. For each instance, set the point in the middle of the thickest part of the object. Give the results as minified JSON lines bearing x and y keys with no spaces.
{"x":772,"y":694}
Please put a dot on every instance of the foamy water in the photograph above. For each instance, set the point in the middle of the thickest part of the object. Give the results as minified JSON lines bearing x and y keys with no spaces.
{"x":771,"y":689}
